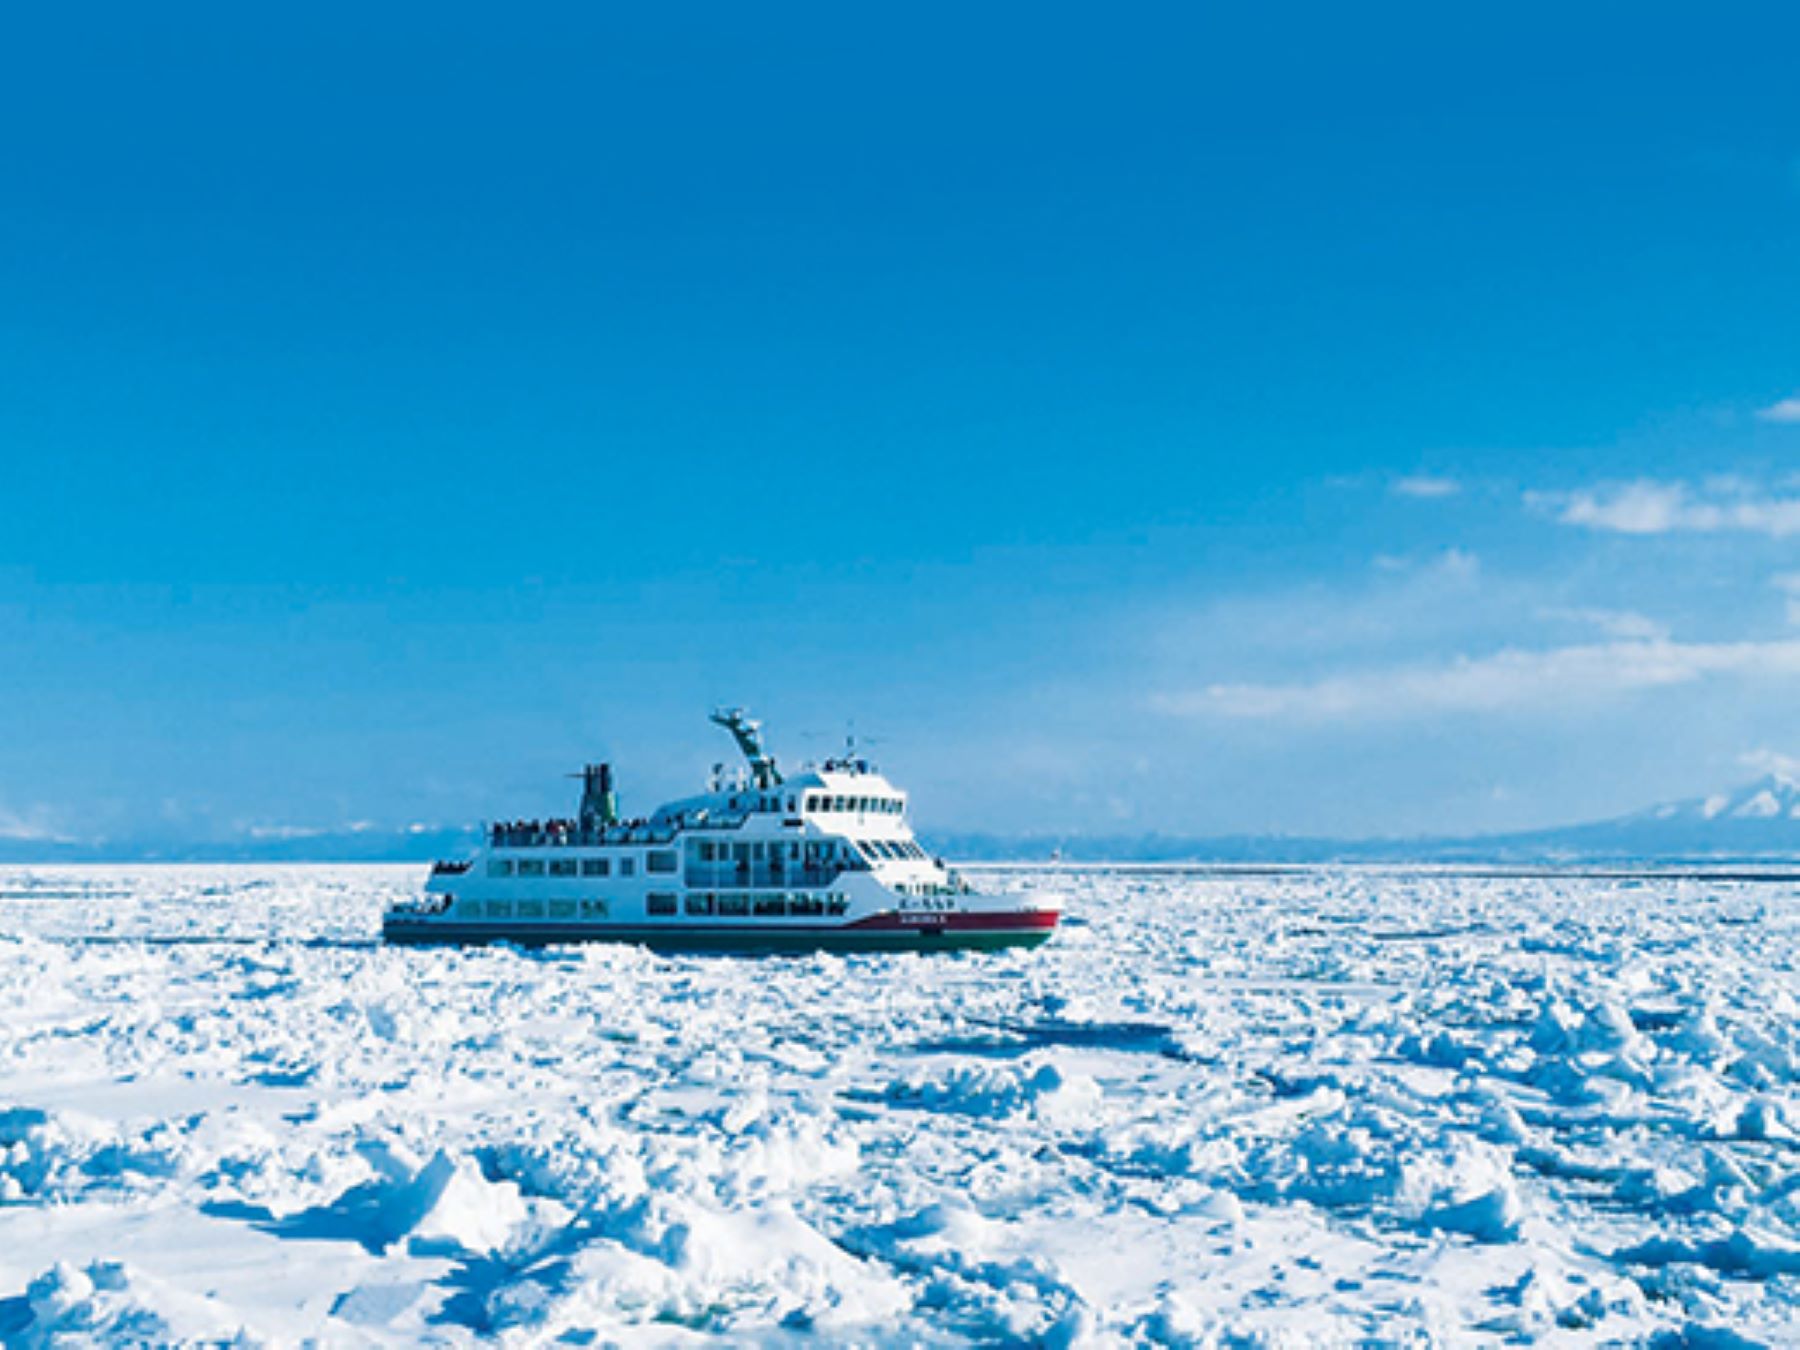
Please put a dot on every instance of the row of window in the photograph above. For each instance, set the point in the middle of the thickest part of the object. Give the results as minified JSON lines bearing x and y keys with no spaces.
{"x":740,"y":904}
{"x":661,"y":861}
{"x":533,"y":909}
{"x":814,"y":852}
{"x":817,"y":802}
{"x":665,"y":904}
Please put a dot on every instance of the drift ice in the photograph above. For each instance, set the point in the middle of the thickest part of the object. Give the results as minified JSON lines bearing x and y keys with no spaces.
{"x":760,"y":862}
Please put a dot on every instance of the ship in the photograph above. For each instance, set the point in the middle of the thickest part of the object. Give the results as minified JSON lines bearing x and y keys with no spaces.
{"x":825,"y":860}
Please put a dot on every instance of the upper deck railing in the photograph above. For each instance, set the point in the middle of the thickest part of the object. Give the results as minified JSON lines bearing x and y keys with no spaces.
{"x":572,"y":834}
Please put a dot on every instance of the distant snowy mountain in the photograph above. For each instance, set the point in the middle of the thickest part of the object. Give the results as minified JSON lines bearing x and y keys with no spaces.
{"x":1773,"y":797}
{"x":1758,"y":822}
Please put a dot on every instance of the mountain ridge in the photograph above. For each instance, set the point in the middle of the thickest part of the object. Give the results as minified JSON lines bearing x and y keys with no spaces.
{"x":1757,"y":821}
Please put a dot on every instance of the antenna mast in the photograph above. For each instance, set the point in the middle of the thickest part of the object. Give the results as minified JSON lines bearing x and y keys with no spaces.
{"x":747,"y":732}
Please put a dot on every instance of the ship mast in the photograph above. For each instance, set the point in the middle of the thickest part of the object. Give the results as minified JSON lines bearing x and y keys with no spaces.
{"x":747,"y":732}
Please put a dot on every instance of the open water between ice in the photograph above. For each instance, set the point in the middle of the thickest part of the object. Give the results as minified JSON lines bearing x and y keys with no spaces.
{"x":1314,"y":1106}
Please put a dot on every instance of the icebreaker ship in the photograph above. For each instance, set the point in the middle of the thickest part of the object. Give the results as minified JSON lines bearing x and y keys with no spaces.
{"x":823,"y":860}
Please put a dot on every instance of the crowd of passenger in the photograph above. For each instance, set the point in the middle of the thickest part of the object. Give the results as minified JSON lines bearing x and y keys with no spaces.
{"x":562,"y":831}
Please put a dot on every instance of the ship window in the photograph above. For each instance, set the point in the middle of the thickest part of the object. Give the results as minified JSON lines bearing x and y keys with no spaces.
{"x":706,"y":850}
{"x":499,"y":867}
{"x":770,"y":904}
{"x":595,"y":867}
{"x":806,"y":905}
{"x":627,"y":867}
{"x":499,"y":909}
{"x":660,"y":902}
{"x":699,"y":903}
{"x":593,"y":909}
{"x":562,"y":867}
{"x":531,"y":909}
{"x":734,"y":904}
{"x":562,"y":909}
{"x":531,"y":867}
{"x":661,"y":861}
{"x":815,"y":802}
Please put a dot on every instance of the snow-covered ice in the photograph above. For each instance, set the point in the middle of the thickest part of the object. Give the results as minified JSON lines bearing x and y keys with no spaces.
{"x":1296,"y":1107}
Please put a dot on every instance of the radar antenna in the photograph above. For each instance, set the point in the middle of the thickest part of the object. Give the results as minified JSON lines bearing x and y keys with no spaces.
{"x":747,"y":732}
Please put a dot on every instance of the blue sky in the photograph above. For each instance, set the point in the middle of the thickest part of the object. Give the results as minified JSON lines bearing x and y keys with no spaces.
{"x":1198,"y":421}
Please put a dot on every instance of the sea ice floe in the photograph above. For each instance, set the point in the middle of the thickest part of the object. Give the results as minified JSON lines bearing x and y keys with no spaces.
{"x":1320,"y":1105}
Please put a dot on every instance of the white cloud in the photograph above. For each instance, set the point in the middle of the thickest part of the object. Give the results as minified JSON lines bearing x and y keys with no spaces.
{"x":1785,"y":410}
{"x":1764,"y":760}
{"x":1625,"y":624}
{"x":1788,"y":583}
{"x":1511,"y":678}
{"x":32,"y":826}
{"x":1650,"y":507}
{"x":1452,"y":564}
{"x":282,"y":831}
{"x":1426,"y":486}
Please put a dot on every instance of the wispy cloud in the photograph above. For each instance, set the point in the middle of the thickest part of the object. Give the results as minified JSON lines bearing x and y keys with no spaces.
{"x":1511,"y":678}
{"x":1426,"y":486}
{"x":1625,"y":624}
{"x":36,"y":825}
{"x":1455,"y":564}
{"x":1765,"y":760}
{"x":1784,"y":410}
{"x":1788,"y":583}
{"x":1650,"y":507}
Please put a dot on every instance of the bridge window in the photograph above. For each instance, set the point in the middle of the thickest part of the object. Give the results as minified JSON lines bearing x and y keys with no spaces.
{"x":627,"y":867}
{"x":661,"y":861}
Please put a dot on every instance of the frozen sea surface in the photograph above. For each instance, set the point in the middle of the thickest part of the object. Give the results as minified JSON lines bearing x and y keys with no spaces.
{"x":1311,"y":1107}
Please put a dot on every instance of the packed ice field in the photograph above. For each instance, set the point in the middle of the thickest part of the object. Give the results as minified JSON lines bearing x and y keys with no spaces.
{"x":1306,"y":1107}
